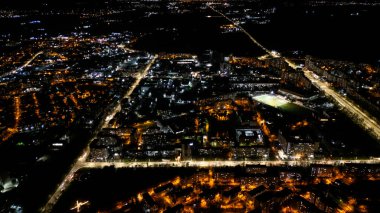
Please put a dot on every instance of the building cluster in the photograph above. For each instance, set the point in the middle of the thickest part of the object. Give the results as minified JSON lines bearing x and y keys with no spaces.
{"x":208,"y":107}
{"x":61,"y":86}
{"x":319,"y":188}
{"x":57,"y":86}
{"x":180,"y":111}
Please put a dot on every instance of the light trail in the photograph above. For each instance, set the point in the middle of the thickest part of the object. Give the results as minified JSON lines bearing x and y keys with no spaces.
{"x":23,"y":66}
{"x":82,"y":159}
{"x":245,"y":32}
{"x":224,"y":163}
{"x":367,"y":123}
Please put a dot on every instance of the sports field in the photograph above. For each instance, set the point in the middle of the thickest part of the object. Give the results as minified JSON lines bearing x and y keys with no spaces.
{"x":271,"y":100}
{"x":282,"y":104}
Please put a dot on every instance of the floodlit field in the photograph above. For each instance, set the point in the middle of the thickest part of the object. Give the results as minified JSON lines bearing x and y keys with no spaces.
{"x":271,"y":100}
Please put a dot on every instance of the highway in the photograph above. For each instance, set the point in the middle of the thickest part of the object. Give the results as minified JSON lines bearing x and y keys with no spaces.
{"x":226,"y":163}
{"x":366,"y":123}
{"x":81,"y":160}
{"x":23,"y":66}
{"x":271,"y":53}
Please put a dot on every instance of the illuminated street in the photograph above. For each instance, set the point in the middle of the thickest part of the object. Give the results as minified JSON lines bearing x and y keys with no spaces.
{"x":81,"y":160}
{"x":23,"y":66}
{"x":216,"y":164}
{"x":354,"y":110}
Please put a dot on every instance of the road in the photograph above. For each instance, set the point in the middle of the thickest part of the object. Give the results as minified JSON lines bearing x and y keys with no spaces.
{"x":23,"y":66}
{"x":81,"y":160}
{"x":245,"y":32}
{"x":226,"y":163}
{"x":367,"y":123}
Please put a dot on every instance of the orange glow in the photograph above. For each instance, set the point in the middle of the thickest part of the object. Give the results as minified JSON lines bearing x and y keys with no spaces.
{"x":196,"y":122}
{"x":74,"y":100}
{"x":244,"y":61}
{"x":232,"y":206}
{"x":167,"y":200}
{"x":36,"y":105}
{"x":203,"y":203}
{"x":218,"y":198}
{"x":288,"y":209}
{"x":17,"y":110}
{"x":226,"y":200}
{"x":151,"y":191}
{"x":306,"y":195}
{"x":5,"y":135}
{"x":176,"y":181}
{"x":363,"y":209}
{"x":188,"y":209}
{"x":352,"y":201}
{"x":119,"y":205}
{"x":211,"y":182}
{"x":328,"y":181}
{"x":265,"y":128}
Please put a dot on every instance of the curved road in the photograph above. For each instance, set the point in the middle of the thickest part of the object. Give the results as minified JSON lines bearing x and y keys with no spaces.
{"x":23,"y":66}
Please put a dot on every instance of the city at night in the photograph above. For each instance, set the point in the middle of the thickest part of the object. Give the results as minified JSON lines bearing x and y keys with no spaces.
{"x":189,"y":106}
